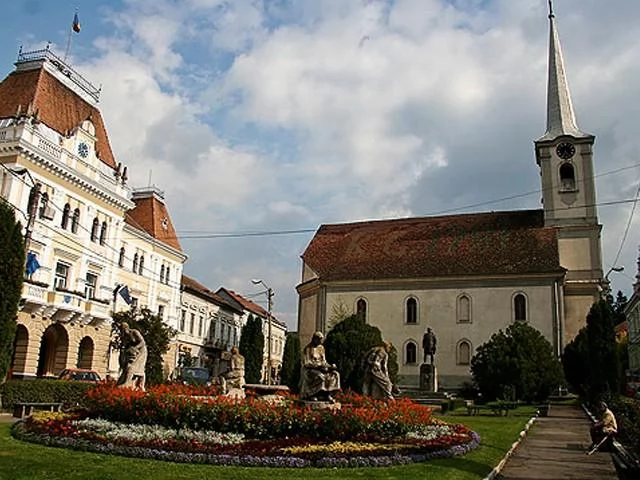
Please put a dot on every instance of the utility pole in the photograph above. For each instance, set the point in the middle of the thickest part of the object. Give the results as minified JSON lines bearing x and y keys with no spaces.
{"x":269,"y":307}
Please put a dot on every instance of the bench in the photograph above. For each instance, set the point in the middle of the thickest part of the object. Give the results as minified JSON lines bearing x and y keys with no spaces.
{"x":24,"y":409}
{"x":627,"y":463}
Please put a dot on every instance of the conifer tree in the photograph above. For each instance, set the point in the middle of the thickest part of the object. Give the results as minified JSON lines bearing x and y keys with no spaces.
{"x":291,"y":362}
{"x":252,"y":349}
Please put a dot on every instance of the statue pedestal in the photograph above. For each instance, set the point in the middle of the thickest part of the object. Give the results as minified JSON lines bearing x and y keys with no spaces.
{"x":428,"y":377}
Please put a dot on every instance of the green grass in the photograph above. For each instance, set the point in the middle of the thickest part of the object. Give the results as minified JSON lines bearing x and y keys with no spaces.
{"x":24,"y":461}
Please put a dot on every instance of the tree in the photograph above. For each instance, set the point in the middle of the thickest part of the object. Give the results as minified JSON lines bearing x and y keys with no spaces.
{"x":618,"y":305}
{"x":346,"y":345}
{"x":12,"y":264}
{"x":252,"y":348}
{"x":519,"y":361}
{"x":157,"y":335}
{"x":290,"y":372}
{"x":339,"y":311}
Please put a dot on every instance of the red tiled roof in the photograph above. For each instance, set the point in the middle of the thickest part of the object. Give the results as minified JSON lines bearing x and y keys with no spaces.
{"x":513,"y":242}
{"x":149,"y":215}
{"x":189,"y":284}
{"x":249,"y":305}
{"x":57,"y":106}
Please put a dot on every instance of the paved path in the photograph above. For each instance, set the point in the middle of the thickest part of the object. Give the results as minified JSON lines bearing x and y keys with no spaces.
{"x":554,"y":449}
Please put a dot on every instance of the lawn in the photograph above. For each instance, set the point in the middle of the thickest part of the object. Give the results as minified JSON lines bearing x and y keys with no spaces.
{"x":23,"y":461}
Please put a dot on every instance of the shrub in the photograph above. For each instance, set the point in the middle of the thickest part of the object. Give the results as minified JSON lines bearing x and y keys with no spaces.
{"x":70,"y":394}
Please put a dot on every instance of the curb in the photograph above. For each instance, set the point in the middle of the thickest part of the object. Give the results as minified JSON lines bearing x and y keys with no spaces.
{"x":498,"y":468}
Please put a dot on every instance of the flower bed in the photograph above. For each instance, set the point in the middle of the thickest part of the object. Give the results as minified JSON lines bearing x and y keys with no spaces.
{"x":169,"y":423}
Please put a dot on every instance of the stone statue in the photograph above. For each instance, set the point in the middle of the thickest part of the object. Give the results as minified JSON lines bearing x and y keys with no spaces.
{"x":235,"y":375}
{"x":319,"y":378}
{"x":133,"y":358}
{"x":377,"y":383}
{"x":429,"y":345}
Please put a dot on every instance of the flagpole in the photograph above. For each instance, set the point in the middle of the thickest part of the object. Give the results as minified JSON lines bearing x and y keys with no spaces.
{"x":68,"y":49}
{"x":75,"y":27}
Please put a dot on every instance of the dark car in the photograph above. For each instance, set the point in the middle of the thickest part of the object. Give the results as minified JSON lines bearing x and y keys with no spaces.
{"x":79,"y":375}
{"x":195,"y":376}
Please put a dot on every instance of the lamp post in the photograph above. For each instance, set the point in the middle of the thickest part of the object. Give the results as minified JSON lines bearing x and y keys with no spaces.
{"x":607,"y":283}
{"x":269,"y":292}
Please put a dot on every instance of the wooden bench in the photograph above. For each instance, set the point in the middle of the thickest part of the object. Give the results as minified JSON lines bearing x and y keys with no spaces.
{"x":24,"y":409}
{"x":627,"y":463}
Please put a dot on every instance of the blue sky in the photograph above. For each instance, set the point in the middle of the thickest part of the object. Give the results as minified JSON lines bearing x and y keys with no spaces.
{"x":281,"y":115}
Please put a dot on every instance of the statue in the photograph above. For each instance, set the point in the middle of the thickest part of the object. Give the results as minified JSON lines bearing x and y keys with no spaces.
{"x":133,"y":358}
{"x":377,"y":383}
{"x":234,"y":377}
{"x":319,"y":378}
{"x":429,"y":345}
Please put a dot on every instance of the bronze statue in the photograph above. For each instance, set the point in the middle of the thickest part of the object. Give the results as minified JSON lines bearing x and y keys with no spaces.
{"x":429,"y":345}
{"x":319,"y":378}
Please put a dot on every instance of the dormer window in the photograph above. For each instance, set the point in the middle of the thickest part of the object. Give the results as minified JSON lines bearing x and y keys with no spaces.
{"x":567,"y":177}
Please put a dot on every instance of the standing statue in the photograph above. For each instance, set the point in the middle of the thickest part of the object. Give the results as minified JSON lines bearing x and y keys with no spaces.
{"x":429,"y":345}
{"x":234,"y":377}
{"x":377,"y":383}
{"x":319,"y":378}
{"x":133,"y":358}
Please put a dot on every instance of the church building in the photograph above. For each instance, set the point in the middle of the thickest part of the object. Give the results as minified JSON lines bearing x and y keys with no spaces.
{"x":468,"y":276}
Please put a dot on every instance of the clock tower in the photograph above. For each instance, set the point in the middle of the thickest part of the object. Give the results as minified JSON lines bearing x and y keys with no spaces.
{"x":565,"y":157}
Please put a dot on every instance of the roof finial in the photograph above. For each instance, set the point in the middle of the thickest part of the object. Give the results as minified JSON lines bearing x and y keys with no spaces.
{"x":551,"y":15}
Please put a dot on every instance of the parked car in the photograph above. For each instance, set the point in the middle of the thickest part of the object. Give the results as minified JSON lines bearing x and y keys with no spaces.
{"x":79,"y":375}
{"x":195,"y":376}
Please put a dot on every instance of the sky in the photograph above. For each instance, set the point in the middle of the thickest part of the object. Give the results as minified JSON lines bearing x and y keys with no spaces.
{"x":276,"y":116}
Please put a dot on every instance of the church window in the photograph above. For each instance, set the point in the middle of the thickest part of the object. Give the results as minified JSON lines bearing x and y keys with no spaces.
{"x":361,"y":308}
{"x":411,"y":353}
{"x":94,"y":230}
{"x":464,"y":309}
{"x":567,"y":177}
{"x":65,"y":216}
{"x":103,"y":233}
{"x":75,"y":220}
{"x":520,"y":308}
{"x":412,"y":310}
{"x":464,"y":352}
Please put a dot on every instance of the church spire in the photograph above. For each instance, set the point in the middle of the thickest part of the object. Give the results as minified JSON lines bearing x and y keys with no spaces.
{"x":560,"y":117}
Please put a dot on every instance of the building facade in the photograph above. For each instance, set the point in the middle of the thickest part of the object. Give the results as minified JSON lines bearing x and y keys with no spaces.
{"x":468,"y":276}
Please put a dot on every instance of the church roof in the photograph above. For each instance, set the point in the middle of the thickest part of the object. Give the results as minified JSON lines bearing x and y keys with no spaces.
{"x":495,"y":243}
{"x":561,"y":119}
{"x":57,"y":106}
{"x":151,"y":215}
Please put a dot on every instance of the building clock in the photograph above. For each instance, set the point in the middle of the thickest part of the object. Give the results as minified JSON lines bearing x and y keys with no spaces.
{"x":565,"y":150}
{"x":83,"y":149}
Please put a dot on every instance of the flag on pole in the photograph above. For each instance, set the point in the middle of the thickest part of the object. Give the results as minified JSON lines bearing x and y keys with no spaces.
{"x":123,"y":291}
{"x":75,"y":26}
{"x":32,"y":264}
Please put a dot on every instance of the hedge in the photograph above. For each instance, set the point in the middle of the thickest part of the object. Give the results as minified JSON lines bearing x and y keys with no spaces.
{"x":69,"y":393}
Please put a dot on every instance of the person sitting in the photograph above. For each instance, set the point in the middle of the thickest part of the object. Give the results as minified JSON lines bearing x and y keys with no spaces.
{"x":319,"y":378}
{"x":602,"y":431}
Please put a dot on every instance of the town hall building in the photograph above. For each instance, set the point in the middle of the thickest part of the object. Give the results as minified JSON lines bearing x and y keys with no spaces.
{"x":468,"y":276}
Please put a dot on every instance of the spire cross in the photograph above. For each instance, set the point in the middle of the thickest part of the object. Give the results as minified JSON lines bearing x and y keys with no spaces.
{"x":551,"y":15}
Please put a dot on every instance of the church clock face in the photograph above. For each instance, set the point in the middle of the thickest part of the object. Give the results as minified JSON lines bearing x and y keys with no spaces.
{"x":565,"y":150}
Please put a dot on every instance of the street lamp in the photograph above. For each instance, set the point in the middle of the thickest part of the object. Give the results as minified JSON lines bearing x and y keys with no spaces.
{"x":269,"y":293}
{"x":607,"y":283}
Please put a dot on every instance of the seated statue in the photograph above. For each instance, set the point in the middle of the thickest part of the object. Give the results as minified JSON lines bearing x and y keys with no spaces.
{"x":319,"y":378}
{"x":234,"y":377}
{"x":377,"y":383}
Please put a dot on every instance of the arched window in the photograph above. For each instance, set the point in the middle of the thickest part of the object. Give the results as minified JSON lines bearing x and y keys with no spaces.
{"x":121,"y":257}
{"x":567,"y":177}
{"x":464,"y":309}
{"x":520,"y":308}
{"x":134,"y":267}
{"x":361,"y":308}
{"x":162,"y":274}
{"x":103,"y":233}
{"x":44,"y":203}
{"x":94,"y":229}
{"x":141,"y":266}
{"x":410,"y":353}
{"x":75,"y":220}
{"x":464,"y":352}
{"x":65,"y":216}
{"x":412,"y":310}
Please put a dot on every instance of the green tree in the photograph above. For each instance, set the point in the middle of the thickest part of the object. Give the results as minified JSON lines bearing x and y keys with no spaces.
{"x":518,"y":360}
{"x":252,"y":348}
{"x":290,"y":372}
{"x":12,"y":264}
{"x":157,"y":335}
{"x":346,"y":345}
{"x":575,"y":359}
{"x":603,"y":363}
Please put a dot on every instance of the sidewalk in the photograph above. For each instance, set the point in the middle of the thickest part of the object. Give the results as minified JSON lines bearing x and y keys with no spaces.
{"x":554,"y":449}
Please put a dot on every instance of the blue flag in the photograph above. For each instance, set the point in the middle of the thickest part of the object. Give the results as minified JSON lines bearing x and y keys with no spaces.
{"x":75,"y":26}
{"x":123,"y":291}
{"x":32,"y":264}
